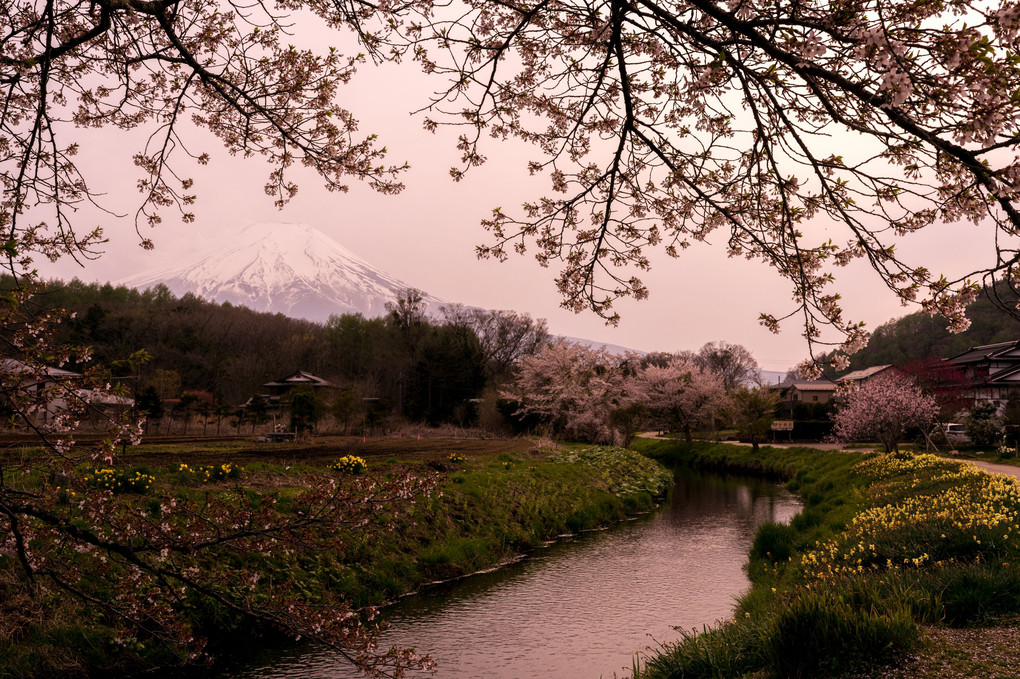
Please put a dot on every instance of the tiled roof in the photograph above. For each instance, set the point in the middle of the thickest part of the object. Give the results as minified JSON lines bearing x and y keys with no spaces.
{"x":817,"y":385}
{"x":300,"y":377}
{"x":13,"y":365}
{"x":805,"y":385}
{"x":863,"y":374}
{"x":981,"y":353}
{"x":1003,"y":374}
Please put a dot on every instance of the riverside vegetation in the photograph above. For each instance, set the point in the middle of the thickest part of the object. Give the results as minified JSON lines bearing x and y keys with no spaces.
{"x":480,"y":509}
{"x":884,"y":546}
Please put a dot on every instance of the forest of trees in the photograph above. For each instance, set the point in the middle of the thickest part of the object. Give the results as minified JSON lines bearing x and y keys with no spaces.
{"x":181,"y":357}
{"x":423,"y":367}
{"x":452,"y":365}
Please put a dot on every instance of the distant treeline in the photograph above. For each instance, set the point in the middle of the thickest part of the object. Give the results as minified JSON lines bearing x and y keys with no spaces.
{"x":918,"y":335}
{"x":424,"y":367}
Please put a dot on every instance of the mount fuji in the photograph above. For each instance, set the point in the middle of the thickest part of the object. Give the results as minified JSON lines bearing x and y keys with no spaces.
{"x":293,"y":269}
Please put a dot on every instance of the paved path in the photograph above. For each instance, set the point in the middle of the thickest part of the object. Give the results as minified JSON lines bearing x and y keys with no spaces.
{"x":780,"y":444}
{"x":1006,"y":469}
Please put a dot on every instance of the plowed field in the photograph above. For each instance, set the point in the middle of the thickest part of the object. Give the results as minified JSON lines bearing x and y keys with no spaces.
{"x":166,"y":451}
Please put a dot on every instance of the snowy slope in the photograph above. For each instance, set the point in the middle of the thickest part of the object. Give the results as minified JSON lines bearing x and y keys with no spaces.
{"x":293,"y":269}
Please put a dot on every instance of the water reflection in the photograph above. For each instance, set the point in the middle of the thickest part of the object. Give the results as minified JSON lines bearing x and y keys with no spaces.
{"x":581,"y":607}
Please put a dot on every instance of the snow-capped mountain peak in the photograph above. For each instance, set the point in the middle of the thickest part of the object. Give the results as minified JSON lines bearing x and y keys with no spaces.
{"x":293,"y":269}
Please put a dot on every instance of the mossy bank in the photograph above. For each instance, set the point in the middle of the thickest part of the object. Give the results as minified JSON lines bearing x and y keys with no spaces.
{"x":485,"y":509}
{"x":884,"y":547}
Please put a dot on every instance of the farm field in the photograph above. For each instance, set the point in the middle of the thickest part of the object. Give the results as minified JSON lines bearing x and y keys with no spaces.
{"x":167,"y":450}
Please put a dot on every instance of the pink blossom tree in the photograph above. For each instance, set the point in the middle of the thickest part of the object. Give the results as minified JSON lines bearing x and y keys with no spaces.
{"x":884,"y":408}
{"x":803,"y":134}
{"x":573,"y":388}
{"x":809,"y":133}
{"x":680,"y":394}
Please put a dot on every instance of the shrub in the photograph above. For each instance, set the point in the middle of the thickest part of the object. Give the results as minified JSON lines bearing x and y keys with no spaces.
{"x":974,"y":595}
{"x":821,"y":634}
{"x":774,"y":542}
{"x":984,"y":426}
{"x":807,"y":519}
{"x":713,"y":652}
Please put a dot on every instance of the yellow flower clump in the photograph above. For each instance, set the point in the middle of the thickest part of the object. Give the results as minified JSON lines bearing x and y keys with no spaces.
{"x":978,"y":514}
{"x":120,"y":482}
{"x":350,"y":464}
{"x":205,"y":473}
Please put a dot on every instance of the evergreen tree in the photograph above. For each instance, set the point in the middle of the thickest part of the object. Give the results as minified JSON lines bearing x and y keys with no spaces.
{"x":306,"y":408}
{"x":150,"y":405}
{"x":257,"y":411}
{"x":984,"y":425}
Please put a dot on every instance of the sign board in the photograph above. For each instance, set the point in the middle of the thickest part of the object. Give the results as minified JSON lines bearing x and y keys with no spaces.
{"x":782,"y":425}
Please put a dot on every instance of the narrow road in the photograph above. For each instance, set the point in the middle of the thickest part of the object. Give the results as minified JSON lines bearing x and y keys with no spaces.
{"x":993,"y":468}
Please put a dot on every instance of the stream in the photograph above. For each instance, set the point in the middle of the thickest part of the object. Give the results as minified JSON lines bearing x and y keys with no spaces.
{"x":584,"y":605}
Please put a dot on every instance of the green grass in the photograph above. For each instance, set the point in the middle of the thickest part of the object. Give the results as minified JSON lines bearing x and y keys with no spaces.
{"x":774,"y":542}
{"x":884,"y":544}
{"x":495,"y":509}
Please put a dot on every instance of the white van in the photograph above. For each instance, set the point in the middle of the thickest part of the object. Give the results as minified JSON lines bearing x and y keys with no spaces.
{"x":956,"y":434}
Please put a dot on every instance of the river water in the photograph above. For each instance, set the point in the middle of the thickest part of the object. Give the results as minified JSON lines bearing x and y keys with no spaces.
{"x":583,"y":606}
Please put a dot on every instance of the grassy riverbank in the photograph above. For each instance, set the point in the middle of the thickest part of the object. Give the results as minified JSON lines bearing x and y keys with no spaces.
{"x":489,"y":504}
{"x":492,"y":509}
{"x":887,"y":552}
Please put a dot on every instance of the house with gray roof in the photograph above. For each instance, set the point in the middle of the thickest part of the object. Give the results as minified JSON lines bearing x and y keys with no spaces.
{"x":285,"y":386}
{"x":34,"y":380}
{"x":799,"y":390}
{"x":991,"y":371}
{"x":300,"y":379}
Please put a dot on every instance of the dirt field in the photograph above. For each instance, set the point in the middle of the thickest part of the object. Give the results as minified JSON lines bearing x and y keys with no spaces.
{"x":168,"y":451}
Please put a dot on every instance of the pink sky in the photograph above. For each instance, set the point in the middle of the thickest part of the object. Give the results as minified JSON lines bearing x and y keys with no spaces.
{"x":426,"y":235}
